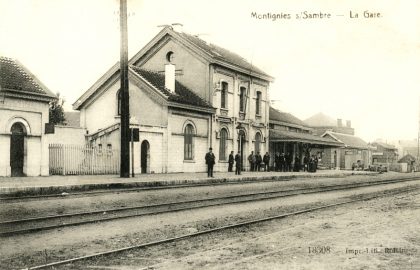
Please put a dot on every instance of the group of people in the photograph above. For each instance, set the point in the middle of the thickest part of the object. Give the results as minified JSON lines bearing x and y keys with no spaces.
{"x":282,"y":162}
{"x":256,"y":162}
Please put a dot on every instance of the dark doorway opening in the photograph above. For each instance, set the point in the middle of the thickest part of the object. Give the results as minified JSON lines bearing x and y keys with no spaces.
{"x":17,"y":149}
{"x":241,"y":143}
{"x":145,"y":156}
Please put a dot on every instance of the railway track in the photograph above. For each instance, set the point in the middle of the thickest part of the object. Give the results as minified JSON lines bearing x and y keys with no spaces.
{"x":221,"y":228}
{"x":35,"y":224}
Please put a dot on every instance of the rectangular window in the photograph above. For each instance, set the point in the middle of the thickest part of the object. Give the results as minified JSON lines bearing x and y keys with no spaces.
{"x":242,"y":100}
{"x":258,"y":103}
{"x":223,"y":95}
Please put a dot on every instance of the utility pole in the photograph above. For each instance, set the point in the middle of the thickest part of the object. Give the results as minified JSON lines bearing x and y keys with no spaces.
{"x":125,"y":104}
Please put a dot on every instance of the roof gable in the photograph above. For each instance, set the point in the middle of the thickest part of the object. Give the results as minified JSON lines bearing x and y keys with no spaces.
{"x":288,"y":118}
{"x":182,"y":95}
{"x":17,"y":79}
{"x":212,"y":53}
{"x":350,"y":141}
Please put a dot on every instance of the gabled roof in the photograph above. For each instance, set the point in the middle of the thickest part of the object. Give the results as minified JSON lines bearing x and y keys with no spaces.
{"x":320,"y":120}
{"x":286,"y":118}
{"x":213,"y":53}
{"x":407,"y":159}
{"x":182,"y":94}
{"x":349,"y":141}
{"x":385,"y":145}
{"x":18,"y":81}
{"x":287,"y":136}
{"x":222,"y":54}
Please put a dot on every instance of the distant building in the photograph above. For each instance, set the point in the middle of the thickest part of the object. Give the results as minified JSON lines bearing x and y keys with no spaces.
{"x":383,"y":153}
{"x":290,"y":135}
{"x":355,"y":150}
{"x":24,"y":112}
{"x":321,"y":123}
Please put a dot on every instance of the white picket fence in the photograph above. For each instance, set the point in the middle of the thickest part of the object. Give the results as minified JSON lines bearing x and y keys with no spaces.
{"x":83,"y":160}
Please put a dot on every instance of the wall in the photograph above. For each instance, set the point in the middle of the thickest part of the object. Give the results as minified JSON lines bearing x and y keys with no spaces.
{"x":67,"y":135}
{"x":177,"y":122}
{"x":191,"y":71}
{"x":103,"y":112}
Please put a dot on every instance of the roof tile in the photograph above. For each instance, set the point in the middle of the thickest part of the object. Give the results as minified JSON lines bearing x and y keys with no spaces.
{"x":182,"y":95}
{"x":14,"y":76}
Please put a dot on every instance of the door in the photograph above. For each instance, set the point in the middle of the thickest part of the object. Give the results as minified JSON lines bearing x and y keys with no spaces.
{"x":17,"y":149}
{"x":241,"y":143}
{"x":145,"y":156}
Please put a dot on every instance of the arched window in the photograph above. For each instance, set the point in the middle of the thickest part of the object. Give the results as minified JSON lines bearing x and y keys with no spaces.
{"x":223,"y":95}
{"x":119,"y":97}
{"x":188,"y":142}
{"x":257,"y":142}
{"x":223,"y":144}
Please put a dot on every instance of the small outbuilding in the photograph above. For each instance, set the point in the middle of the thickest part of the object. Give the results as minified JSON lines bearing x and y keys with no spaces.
{"x":24,"y":113}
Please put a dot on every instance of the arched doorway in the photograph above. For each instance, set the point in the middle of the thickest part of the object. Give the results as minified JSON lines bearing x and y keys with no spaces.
{"x":241,"y":143}
{"x":17,"y":149}
{"x":145,"y":156}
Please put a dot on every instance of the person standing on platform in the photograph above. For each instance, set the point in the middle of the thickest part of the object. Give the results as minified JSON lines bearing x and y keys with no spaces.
{"x":305,"y":163}
{"x":231,"y":161}
{"x":210,"y":161}
{"x":258,"y":161}
{"x":277,"y":161}
{"x":282,"y":163}
{"x":288,"y":161}
{"x":238,"y":163}
{"x":251,"y":159}
{"x":266,"y":160}
{"x":296,"y":167}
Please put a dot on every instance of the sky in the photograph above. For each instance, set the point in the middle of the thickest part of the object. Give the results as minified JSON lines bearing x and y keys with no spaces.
{"x":366,"y":70}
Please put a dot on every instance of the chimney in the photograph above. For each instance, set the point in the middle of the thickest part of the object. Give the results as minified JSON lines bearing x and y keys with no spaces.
{"x":170,"y":77}
{"x":339,"y":122}
{"x":348,"y":123}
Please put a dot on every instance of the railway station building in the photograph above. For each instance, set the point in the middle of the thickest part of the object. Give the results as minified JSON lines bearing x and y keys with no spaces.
{"x":186,"y":95}
{"x":24,"y":112}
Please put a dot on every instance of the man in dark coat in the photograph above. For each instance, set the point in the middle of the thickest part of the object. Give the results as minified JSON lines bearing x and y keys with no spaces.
{"x":277,"y":161}
{"x":231,"y":161}
{"x":296,"y":167}
{"x":258,"y":161}
{"x":288,"y":161}
{"x":210,"y":161}
{"x":251,"y":159}
{"x":238,"y":163}
{"x":282,"y":163}
{"x":305,"y":163}
{"x":266,"y":160}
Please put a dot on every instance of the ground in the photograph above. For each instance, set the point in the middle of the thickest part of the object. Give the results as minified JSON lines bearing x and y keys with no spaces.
{"x":376,"y":234}
{"x":342,"y":233}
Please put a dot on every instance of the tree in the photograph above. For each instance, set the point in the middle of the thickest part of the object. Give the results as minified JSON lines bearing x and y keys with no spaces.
{"x":57,"y":111}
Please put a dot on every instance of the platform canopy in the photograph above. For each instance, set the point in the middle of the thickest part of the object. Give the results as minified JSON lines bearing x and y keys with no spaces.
{"x":288,"y":136}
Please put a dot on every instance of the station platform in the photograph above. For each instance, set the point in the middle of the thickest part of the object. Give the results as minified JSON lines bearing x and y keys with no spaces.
{"x":20,"y":186}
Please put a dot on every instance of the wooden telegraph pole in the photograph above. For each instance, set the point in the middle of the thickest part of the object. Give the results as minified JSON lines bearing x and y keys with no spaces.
{"x":125,"y":105}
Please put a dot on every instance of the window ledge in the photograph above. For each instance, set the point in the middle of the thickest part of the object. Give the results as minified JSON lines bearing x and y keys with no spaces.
{"x":222,"y":161}
{"x":189,"y":161}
